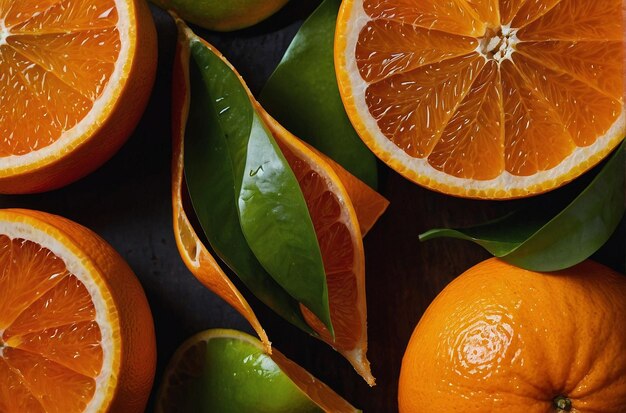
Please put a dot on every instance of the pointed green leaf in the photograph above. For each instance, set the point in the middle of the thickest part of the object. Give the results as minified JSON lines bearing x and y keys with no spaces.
{"x":261,"y":196}
{"x":536,"y":238}
{"x":302,"y":94}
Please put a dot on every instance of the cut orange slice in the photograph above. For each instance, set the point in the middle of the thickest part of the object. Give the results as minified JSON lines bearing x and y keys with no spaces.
{"x":76,"y":332}
{"x":75,"y":76}
{"x":338,"y":233}
{"x":484,"y":99}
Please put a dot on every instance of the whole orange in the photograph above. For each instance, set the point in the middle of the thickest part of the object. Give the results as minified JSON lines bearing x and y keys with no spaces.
{"x":504,"y":339}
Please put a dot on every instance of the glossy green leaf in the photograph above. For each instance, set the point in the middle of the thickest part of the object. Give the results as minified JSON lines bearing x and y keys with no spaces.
{"x":535,"y":238}
{"x":261,"y":196}
{"x":302,"y":94}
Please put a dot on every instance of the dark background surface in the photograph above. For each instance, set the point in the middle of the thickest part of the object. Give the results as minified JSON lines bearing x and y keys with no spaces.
{"x":127,"y":201}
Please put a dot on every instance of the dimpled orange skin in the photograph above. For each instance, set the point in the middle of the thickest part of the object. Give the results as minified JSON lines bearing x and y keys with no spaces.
{"x":503,"y":339}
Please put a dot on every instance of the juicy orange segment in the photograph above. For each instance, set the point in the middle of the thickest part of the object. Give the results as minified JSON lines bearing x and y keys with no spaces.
{"x":14,"y":395}
{"x":573,"y":20}
{"x":490,"y":99}
{"x":454,"y":16}
{"x":402,"y":105}
{"x":389,"y":48}
{"x":508,"y":9}
{"x":471,"y":143}
{"x":592,"y":63}
{"x":56,"y":57}
{"x":488,"y":11}
{"x":28,"y":271}
{"x":368,"y":204}
{"x":42,"y":377}
{"x":67,"y":303}
{"x":584,"y":111}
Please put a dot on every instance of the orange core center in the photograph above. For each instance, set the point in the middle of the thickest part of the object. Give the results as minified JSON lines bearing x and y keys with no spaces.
{"x":498,"y":44}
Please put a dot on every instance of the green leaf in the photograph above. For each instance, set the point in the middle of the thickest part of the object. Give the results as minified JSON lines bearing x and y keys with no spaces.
{"x":246,"y":196}
{"x":536,"y":239}
{"x":302,"y":94}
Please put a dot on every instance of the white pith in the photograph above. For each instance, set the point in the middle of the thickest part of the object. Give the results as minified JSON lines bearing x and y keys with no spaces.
{"x":4,"y":33}
{"x":506,"y":183}
{"x":76,"y":265}
{"x":73,"y":137}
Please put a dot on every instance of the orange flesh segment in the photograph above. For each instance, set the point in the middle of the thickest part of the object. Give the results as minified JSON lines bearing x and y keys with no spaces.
{"x":487,"y":11}
{"x":338,"y":254}
{"x":576,"y":20}
{"x":388,"y":48}
{"x":592,"y":63}
{"x":509,"y":9}
{"x":403,"y":106}
{"x":531,"y":126}
{"x":472,"y":144}
{"x":43,"y":377}
{"x":368,"y":204}
{"x":14,"y":395}
{"x":531,"y":10}
{"x":48,"y":332}
{"x":584,"y":111}
{"x":450,"y":99}
{"x":56,"y":57}
{"x":452,"y":16}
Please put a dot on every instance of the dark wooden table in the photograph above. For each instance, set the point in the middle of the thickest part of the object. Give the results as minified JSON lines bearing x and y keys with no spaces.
{"x":127,"y":201}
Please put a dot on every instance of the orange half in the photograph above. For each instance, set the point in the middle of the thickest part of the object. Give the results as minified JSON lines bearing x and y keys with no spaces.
{"x":75,"y":76}
{"x":76,"y":332}
{"x":484,"y":99}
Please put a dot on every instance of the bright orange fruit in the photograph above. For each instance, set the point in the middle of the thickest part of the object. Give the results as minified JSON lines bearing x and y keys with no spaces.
{"x":76,"y":332}
{"x":503,"y":339}
{"x":484,"y":98}
{"x":75,"y":76}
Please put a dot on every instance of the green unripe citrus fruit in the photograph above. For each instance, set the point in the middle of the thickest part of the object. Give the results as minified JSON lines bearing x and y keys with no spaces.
{"x":223,"y":15}
{"x":228,"y":371}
